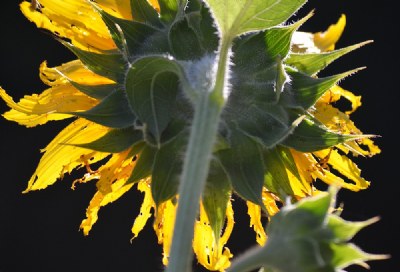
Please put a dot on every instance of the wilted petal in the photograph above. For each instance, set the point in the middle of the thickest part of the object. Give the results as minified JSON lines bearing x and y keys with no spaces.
{"x":61,"y":157}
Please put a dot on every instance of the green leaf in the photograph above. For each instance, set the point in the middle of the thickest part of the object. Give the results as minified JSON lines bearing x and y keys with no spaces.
{"x":143,"y":12}
{"x":110,"y":64}
{"x":167,"y":169}
{"x":96,"y":91}
{"x":268,"y":124}
{"x":217,"y":193}
{"x":236,"y":17}
{"x":345,"y":255}
{"x":304,"y":90}
{"x":344,"y":230}
{"x":115,"y":141}
{"x":133,"y":33}
{"x":184,"y":41}
{"x":113,"y":111}
{"x":278,"y":39}
{"x":152,"y":86}
{"x":276,"y":180}
{"x":311,"y":136}
{"x":244,"y":167}
{"x":312,"y":63}
{"x":144,"y":164}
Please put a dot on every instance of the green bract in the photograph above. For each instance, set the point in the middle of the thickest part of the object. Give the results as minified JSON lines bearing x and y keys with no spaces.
{"x":308,"y":237}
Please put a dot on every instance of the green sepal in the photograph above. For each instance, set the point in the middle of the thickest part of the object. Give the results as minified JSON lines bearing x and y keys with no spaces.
{"x":311,"y":135}
{"x":278,"y":40}
{"x":216,"y":195}
{"x":184,"y":42}
{"x":110,"y":64}
{"x":98,"y":92}
{"x":312,"y":63}
{"x":277,"y":161}
{"x":152,"y":85}
{"x":243,"y":164}
{"x":304,"y":90}
{"x":143,"y":12}
{"x":144,"y":164}
{"x":238,"y":17}
{"x":268,"y":124}
{"x":113,"y":111}
{"x":133,"y":33}
{"x":167,"y":169}
{"x":115,"y":141}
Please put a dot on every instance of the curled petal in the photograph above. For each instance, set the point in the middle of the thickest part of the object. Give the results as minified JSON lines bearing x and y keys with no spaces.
{"x":326,"y":40}
{"x":60,"y":157}
{"x":145,"y":208}
{"x":74,"y":71}
{"x":164,"y":226}
{"x":210,"y":250}
{"x":75,"y":20}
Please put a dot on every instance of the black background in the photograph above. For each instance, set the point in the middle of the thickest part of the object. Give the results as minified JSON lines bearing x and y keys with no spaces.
{"x":39,"y":230}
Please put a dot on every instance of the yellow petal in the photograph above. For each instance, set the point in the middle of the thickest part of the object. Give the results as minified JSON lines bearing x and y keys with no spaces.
{"x":117,"y":8}
{"x":345,"y":167}
{"x":335,"y":93}
{"x":209,"y":250}
{"x":99,"y":200}
{"x":56,"y":100}
{"x":254,"y":211}
{"x":145,"y":208}
{"x":73,"y":19}
{"x":326,"y":40}
{"x":164,"y":226}
{"x":59,"y":157}
{"x":74,"y":71}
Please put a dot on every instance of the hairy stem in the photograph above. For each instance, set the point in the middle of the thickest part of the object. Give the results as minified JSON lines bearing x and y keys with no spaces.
{"x":196,"y":165}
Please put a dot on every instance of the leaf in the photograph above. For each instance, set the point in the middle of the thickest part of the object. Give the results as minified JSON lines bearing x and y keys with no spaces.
{"x":311,"y":136}
{"x":312,"y":63}
{"x":304,"y":90}
{"x":96,"y":91}
{"x":144,"y":163}
{"x":152,"y":86}
{"x":236,"y":17}
{"x":143,"y":12}
{"x":216,"y":195}
{"x":267,"y":124}
{"x":278,"y":39}
{"x":133,"y":33}
{"x":113,"y":111}
{"x":276,"y":179}
{"x":110,"y":64}
{"x":167,"y":169}
{"x":184,"y":41}
{"x":244,"y":167}
{"x":115,"y":141}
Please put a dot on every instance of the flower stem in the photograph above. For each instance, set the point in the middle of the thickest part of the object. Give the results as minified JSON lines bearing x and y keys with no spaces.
{"x":194,"y":175}
{"x":196,"y":165}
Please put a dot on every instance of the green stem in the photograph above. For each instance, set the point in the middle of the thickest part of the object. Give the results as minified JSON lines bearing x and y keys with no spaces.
{"x":195,"y":171}
{"x":196,"y":165}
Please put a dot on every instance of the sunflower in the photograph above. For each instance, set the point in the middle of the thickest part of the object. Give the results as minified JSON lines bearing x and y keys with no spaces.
{"x":280,"y":131}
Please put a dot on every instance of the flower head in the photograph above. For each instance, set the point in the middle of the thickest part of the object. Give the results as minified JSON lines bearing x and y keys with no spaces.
{"x":130,"y":96}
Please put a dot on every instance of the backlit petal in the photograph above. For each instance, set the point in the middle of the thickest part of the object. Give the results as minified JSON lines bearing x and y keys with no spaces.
{"x":36,"y":109}
{"x":75,"y":20}
{"x":326,"y":40}
{"x":59,"y":157}
{"x":74,"y":71}
{"x":209,"y":250}
{"x":145,"y":208}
